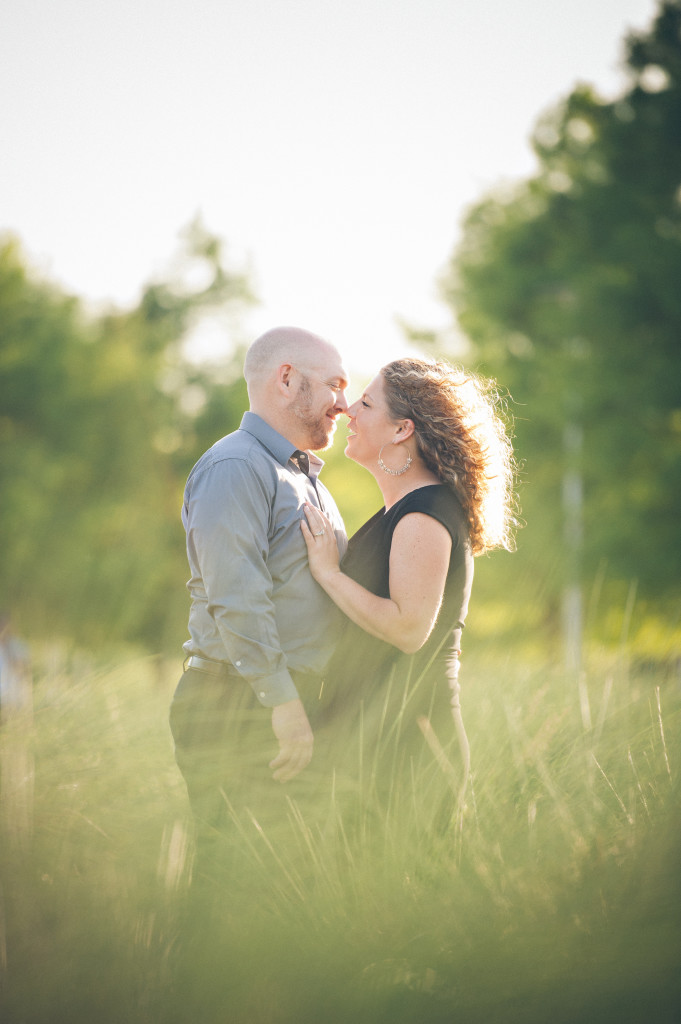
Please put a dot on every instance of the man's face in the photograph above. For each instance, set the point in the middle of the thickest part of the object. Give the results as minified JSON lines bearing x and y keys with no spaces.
{"x":320,"y":399}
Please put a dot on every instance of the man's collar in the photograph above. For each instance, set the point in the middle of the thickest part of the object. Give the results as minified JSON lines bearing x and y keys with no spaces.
{"x":277,"y":445}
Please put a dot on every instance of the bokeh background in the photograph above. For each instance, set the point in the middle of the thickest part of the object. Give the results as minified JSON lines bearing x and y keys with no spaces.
{"x":496,"y":184}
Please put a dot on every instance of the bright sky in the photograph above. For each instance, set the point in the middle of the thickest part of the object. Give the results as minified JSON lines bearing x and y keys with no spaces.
{"x":333,"y":144}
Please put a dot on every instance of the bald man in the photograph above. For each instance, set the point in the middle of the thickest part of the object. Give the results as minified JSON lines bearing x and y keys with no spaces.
{"x":261,"y":630}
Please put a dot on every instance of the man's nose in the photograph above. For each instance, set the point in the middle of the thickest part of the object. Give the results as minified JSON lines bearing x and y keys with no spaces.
{"x":341,"y":402}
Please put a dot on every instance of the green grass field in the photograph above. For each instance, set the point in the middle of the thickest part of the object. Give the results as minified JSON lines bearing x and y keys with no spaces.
{"x":553,"y":896}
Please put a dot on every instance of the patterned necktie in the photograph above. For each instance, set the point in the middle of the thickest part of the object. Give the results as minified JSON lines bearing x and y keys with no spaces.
{"x":302,"y":460}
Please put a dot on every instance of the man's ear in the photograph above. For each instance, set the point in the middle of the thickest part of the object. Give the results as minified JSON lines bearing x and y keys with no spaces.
{"x":284,"y":377}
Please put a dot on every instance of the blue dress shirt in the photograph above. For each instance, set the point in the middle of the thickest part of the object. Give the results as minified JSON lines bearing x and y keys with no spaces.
{"x":255,"y":604}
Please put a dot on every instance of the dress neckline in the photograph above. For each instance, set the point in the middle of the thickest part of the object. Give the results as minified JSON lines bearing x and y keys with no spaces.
{"x":423,"y":487}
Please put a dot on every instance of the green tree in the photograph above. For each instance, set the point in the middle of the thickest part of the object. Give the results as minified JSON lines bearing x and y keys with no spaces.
{"x":97,"y":435}
{"x":567,"y":286}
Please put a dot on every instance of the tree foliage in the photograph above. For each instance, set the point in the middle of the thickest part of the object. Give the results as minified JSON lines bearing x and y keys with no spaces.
{"x":101,"y":418}
{"x":568,"y":286}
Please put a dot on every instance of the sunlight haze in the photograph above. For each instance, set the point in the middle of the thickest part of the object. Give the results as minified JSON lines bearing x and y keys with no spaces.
{"x":333,"y":146}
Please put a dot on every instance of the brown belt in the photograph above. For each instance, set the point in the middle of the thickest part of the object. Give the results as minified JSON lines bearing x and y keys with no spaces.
{"x":213,"y":668}
{"x":223,"y":669}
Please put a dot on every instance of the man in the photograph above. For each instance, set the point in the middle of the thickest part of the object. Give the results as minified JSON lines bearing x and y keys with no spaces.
{"x":15,"y":671}
{"x":261,"y":630}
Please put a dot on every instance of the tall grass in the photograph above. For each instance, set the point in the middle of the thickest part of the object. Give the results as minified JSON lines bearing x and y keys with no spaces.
{"x":552,"y":894}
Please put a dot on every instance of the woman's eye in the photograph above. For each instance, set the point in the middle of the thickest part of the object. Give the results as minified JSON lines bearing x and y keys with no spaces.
{"x":365,"y":404}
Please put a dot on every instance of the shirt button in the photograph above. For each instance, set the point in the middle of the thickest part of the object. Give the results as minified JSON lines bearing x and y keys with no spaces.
{"x":263,"y":694}
{"x":238,"y":664}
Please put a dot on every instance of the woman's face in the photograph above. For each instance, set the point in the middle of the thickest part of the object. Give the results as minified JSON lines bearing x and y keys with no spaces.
{"x":370,"y":425}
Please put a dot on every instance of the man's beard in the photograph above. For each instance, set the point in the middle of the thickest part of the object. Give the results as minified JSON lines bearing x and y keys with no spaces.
{"x":319,"y":427}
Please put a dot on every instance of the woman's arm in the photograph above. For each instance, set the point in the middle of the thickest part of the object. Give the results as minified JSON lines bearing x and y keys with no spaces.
{"x":419,"y":560}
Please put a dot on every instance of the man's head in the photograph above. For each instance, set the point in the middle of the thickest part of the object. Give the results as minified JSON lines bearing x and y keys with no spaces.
{"x":296,"y":383}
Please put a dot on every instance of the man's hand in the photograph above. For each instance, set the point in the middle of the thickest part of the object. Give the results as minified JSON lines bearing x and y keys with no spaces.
{"x":292,"y":729}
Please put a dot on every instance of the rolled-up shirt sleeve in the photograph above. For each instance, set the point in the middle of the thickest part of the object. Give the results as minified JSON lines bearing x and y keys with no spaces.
{"x":227,"y":518}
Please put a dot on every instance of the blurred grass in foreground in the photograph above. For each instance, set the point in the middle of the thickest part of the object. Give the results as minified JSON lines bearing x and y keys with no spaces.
{"x":554,"y":897}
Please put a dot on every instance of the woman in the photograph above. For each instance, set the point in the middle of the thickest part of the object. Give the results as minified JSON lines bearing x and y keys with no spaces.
{"x":431,"y":436}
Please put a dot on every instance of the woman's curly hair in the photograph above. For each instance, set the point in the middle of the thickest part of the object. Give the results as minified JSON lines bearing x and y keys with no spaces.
{"x":462,"y":438}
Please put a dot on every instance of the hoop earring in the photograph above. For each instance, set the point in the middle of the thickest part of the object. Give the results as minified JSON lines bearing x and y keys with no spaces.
{"x":394,"y":472}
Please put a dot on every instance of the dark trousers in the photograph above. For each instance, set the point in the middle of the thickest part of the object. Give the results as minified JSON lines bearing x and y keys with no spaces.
{"x":223,"y":745}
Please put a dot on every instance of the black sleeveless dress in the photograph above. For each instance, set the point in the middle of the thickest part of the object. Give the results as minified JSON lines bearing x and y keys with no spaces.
{"x":374,"y":695}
